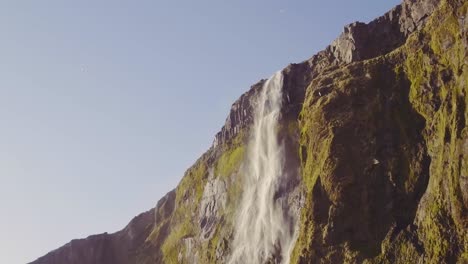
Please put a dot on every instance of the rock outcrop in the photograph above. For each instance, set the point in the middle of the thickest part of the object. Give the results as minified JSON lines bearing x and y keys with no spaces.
{"x":120,"y":247}
{"x":375,"y":124}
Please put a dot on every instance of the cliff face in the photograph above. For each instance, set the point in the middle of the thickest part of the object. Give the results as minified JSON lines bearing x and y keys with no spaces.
{"x":375,"y":125}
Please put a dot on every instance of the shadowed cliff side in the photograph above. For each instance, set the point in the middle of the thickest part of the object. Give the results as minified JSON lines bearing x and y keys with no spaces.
{"x":384,"y":153}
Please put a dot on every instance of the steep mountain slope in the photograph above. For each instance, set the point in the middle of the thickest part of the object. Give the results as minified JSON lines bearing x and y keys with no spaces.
{"x":373,"y":139}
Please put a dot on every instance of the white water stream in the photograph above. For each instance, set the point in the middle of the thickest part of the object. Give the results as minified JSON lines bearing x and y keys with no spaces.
{"x":263,"y":228}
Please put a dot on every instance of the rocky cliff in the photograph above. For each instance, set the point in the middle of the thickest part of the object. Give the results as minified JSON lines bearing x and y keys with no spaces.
{"x":376,"y":145}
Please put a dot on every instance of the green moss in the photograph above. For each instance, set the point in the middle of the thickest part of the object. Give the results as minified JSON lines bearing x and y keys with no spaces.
{"x":416,"y":70}
{"x":230,"y":161}
{"x":313,"y":137}
{"x":189,"y":192}
{"x":210,"y":247}
{"x":188,"y":195}
{"x":464,"y":257}
{"x":193,"y":183}
{"x":314,"y":153}
{"x":303,"y":248}
{"x":438,"y":78}
{"x":432,"y":61}
{"x":172,"y":246}
{"x":155,"y":232}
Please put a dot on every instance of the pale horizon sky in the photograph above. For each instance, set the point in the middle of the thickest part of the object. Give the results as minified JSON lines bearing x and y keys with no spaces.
{"x":105,"y":104}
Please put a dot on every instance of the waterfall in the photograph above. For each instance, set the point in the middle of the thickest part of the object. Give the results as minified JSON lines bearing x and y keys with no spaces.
{"x":264,"y":228}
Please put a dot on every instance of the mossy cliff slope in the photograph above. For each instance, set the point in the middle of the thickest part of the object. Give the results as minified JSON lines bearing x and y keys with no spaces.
{"x":384,"y":150}
{"x":375,"y":124}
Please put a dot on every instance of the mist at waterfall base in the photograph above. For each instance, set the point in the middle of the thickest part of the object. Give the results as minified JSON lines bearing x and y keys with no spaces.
{"x":264,"y":229}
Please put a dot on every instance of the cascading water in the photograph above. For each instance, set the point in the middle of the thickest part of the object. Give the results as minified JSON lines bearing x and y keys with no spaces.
{"x":265,"y":230}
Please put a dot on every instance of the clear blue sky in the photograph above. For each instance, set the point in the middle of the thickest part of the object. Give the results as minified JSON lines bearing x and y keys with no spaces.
{"x":104,"y":104}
